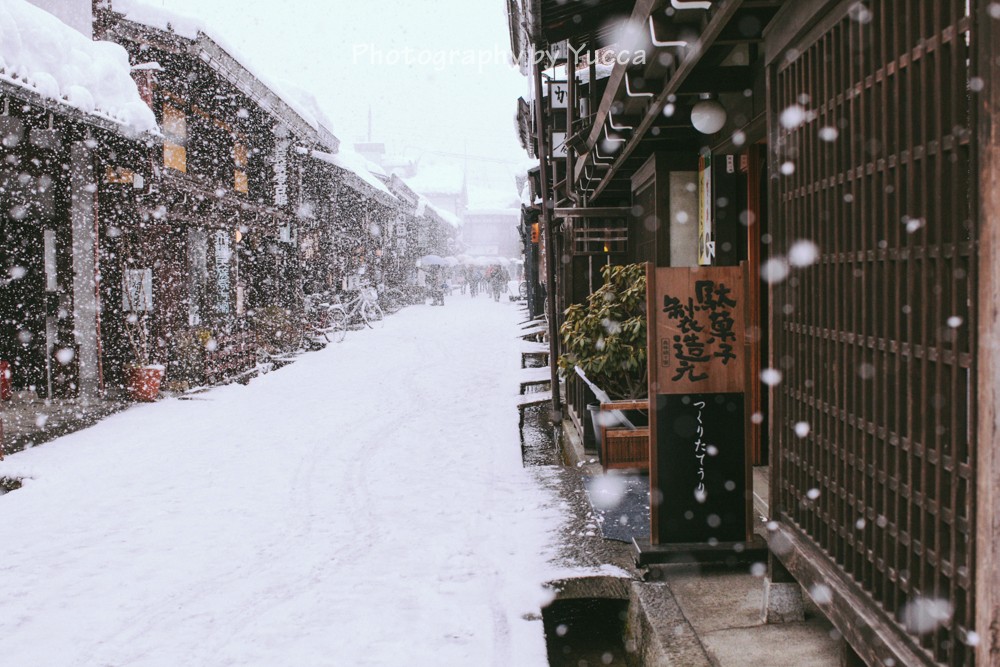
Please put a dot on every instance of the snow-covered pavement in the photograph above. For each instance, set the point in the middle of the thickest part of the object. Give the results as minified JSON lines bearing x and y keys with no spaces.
{"x":363,"y":506}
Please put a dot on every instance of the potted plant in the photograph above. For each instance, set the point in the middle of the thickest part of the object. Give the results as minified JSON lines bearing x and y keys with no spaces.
{"x":143,"y":375}
{"x":606,"y":339}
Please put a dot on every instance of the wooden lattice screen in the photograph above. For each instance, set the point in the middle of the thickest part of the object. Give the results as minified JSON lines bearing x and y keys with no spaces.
{"x":599,"y":238}
{"x":873,"y":417}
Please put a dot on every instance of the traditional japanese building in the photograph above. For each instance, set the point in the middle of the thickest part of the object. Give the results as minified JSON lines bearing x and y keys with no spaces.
{"x":66,"y":132}
{"x":843,"y":154}
{"x":220,"y":237}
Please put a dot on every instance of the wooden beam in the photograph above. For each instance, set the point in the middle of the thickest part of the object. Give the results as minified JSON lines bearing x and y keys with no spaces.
{"x":597,"y":212}
{"x":640,"y":15}
{"x":727,"y":9}
{"x":793,"y":21}
{"x":872,"y":632}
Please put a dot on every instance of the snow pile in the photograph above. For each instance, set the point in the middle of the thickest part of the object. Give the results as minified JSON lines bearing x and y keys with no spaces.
{"x":366,"y":505}
{"x":41,"y":53}
{"x":526,"y":193}
{"x":161,"y":19}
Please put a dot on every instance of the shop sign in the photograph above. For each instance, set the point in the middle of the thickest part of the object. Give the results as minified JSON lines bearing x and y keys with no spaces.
{"x":697,"y":375}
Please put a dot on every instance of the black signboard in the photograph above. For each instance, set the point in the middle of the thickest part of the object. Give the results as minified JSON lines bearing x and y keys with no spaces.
{"x":700,"y":468}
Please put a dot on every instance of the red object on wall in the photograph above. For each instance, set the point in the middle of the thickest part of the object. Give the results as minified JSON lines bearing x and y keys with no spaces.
{"x":6,"y":381}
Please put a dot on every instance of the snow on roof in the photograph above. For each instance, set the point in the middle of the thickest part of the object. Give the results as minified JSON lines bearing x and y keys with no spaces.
{"x":374,"y":167}
{"x":350,"y":161}
{"x":42,"y":54}
{"x":424,"y":205}
{"x":437,"y":180}
{"x":300,"y":101}
{"x":485,"y":199}
{"x":310,"y":110}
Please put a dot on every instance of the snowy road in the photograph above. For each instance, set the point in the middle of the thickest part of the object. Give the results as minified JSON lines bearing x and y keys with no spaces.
{"x":363,"y":506}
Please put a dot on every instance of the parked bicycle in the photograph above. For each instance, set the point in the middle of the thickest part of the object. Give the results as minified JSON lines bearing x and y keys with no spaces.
{"x":362,"y":306}
{"x":325,"y":322}
{"x":392,"y":299}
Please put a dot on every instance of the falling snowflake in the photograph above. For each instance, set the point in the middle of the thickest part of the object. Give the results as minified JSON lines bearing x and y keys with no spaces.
{"x":828,"y":134}
{"x":770,"y":376}
{"x":774,"y":270}
{"x":803,"y":253}
{"x":792,"y":117}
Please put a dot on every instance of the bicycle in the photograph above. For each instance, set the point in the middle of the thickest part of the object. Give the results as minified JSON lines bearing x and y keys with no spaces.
{"x":392,"y":299}
{"x":364,"y":306}
{"x":324,"y":322}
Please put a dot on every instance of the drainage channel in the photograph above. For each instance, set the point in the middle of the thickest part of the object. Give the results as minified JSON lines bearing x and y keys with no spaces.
{"x":538,"y":446}
{"x":580,"y":630}
{"x":586,"y":632}
{"x":8,"y":484}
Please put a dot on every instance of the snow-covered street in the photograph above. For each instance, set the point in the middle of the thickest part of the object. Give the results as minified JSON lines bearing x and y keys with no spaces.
{"x":365,"y":505}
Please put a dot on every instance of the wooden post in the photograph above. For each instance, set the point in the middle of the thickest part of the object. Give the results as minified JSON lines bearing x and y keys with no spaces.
{"x":550,"y":254}
{"x":986,"y":142}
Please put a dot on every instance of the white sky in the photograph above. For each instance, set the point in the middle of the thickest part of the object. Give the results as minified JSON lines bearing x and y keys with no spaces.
{"x":343,"y":52}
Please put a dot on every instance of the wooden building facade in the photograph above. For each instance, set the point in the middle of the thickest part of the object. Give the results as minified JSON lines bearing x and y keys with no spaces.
{"x":226,"y":234}
{"x":845,"y":152}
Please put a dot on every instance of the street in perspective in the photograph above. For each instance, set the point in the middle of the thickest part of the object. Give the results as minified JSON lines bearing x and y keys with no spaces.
{"x":503,"y":333}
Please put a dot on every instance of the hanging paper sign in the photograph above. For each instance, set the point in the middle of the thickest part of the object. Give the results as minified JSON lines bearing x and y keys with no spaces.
{"x":559,"y":94}
{"x":559,"y":148}
{"x":706,"y":244}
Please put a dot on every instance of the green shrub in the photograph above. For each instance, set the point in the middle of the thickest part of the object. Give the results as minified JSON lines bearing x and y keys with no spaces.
{"x":606,"y":337}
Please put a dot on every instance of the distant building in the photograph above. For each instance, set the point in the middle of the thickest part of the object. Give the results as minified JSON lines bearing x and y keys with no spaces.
{"x":373,"y":152}
{"x":443,"y":185}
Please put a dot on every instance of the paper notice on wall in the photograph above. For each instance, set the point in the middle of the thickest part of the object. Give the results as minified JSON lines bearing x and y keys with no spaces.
{"x":706,"y":243}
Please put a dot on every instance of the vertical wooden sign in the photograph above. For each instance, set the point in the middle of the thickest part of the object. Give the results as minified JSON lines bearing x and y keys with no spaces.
{"x":697,"y":383}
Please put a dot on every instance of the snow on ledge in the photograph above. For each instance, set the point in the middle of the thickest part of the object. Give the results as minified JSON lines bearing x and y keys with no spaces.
{"x":354,"y":163}
{"x":424,"y":205}
{"x":44,"y":55}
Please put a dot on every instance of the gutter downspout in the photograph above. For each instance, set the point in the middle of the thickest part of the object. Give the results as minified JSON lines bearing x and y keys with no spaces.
{"x":550,"y":251}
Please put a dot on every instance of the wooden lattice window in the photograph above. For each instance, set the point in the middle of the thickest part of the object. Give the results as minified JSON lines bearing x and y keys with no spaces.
{"x":174,"y":138}
{"x":872,"y":417}
{"x":599,"y":237}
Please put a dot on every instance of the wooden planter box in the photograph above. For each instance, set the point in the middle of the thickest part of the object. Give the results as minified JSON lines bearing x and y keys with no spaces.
{"x":625,"y":447}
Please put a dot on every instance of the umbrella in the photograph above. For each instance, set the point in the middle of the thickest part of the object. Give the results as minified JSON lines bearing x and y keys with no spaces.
{"x":432,"y":260}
